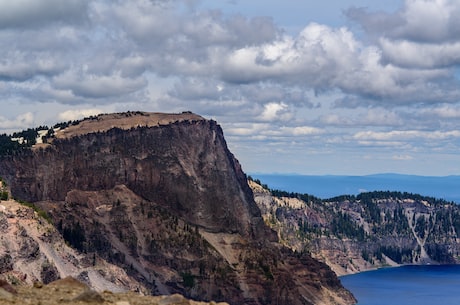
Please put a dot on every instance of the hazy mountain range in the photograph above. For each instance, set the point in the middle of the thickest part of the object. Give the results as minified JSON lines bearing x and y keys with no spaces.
{"x":327,"y":186}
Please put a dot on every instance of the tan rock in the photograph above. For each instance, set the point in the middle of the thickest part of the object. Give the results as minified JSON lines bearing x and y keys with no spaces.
{"x":5,"y":295}
{"x":89,"y":296}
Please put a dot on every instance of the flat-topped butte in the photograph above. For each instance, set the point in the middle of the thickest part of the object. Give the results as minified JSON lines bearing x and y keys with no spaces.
{"x":43,"y":136}
{"x":124,"y":120}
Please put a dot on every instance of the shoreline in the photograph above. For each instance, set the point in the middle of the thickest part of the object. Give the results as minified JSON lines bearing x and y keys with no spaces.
{"x":398,"y":266}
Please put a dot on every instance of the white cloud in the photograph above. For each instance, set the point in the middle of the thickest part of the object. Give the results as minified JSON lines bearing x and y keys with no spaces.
{"x":425,"y":21}
{"x":143,"y":20}
{"x":302,"y":130}
{"x":20,"y":122}
{"x":402,"y":157}
{"x":423,"y":35}
{"x":98,"y":86}
{"x":248,"y":129}
{"x":17,"y":65}
{"x":406,"y":135}
{"x":421,"y":55}
{"x":242,"y":55}
{"x":326,"y":59}
{"x":434,"y":20}
{"x":71,"y":115}
{"x":321,"y":86}
{"x":274,"y":132}
{"x":317,"y":58}
{"x":445,"y":111}
{"x":275,"y":111}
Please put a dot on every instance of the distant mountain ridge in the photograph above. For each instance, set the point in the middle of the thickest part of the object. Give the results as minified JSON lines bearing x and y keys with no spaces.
{"x":328,"y":186}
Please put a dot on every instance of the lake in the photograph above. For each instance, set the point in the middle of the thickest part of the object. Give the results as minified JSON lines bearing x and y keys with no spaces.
{"x":324,"y":187}
{"x":407,"y":285}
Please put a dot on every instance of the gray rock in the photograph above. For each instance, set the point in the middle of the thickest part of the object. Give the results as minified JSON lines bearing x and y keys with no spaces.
{"x":6,"y":263}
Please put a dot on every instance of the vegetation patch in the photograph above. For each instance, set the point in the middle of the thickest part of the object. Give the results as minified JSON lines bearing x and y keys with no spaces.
{"x":40,"y":212}
{"x":188,"y":279}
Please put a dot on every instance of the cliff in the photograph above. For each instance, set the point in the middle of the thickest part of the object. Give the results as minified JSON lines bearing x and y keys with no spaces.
{"x":31,"y":250}
{"x":182,"y":163}
{"x":358,"y":233}
{"x":162,"y":197}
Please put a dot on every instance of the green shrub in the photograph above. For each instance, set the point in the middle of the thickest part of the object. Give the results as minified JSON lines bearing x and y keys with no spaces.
{"x":4,"y":195}
{"x":41,"y":213}
{"x":188,"y":279}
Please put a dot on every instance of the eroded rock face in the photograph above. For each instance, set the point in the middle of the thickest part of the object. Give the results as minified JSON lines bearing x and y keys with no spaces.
{"x":31,"y":250}
{"x":185,"y":166}
{"x":170,"y":204}
{"x":372,"y":230}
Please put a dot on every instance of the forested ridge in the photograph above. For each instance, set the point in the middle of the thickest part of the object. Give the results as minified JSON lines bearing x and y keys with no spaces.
{"x":366,"y":230}
{"x":13,"y":143}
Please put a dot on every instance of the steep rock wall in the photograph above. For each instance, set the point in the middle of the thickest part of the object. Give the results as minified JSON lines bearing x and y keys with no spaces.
{"x":170,"y":204}
{"x":185,"y":166}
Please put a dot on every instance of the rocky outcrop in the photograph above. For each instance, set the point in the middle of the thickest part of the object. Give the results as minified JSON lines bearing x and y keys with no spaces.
{"x":162,"y":197}
{"x":368,"y":231}
{"x":31,"y":250}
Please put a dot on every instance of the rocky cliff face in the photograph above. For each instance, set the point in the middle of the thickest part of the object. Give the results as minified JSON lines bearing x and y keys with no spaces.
{"x":183,"y":165}
{"x":162,"y":197}
{"x":358,"y":233}
{"x":32,"y":250}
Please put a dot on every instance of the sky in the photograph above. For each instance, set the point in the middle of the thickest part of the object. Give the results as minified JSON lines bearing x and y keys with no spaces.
{"x":346,"y":87}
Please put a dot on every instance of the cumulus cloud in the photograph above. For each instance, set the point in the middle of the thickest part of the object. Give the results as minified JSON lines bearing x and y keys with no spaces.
{"x":325,"y":59}
{"x":430,"y":21}
{"x":421,"y":55}
{"x":98,"y":86}
{"x":199,"y":89}
{"x":21,"y":121}
{"x":399,"y":80}
{"x":419,"y":21}
{"x":263,"y":131}
{"x":316,"y":58}
{"x":251,"y":59}
{"x":275,"y":111}
{"x":19,"y":66}
{"x":424,"y":34}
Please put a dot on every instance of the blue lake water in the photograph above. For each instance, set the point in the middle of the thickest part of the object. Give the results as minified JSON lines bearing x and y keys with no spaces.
{"x":408,"y":285}
{"x":324,"y":187}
